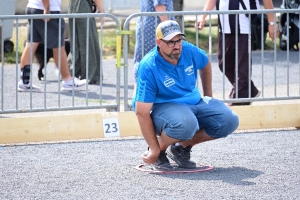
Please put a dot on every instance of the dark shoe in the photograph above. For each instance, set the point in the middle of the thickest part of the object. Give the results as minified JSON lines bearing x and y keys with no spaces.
{"x":245,"y":103}
{"x":239,"y":104}
{"x":162,"y":162}
{"x":181,"y":156}
{"x":94,"y":83}
{"x":257,"y":95}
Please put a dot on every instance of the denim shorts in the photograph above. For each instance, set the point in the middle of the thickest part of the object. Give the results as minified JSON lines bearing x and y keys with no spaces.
{"x":181,"y":121}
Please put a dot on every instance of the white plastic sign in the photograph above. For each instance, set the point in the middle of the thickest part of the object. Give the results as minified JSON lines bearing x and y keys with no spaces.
{"x":111,"y":127}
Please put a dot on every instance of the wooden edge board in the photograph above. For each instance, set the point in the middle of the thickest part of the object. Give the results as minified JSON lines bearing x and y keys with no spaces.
{"x":125,"y":124}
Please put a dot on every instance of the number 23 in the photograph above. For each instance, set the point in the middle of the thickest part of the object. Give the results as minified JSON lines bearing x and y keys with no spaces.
{"x":111,"y":128}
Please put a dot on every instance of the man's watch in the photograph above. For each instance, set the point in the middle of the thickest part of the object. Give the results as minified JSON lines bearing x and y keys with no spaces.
{"x":271,"y":23}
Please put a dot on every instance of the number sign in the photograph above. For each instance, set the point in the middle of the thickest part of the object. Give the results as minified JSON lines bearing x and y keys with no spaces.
{"x":111,"y":127}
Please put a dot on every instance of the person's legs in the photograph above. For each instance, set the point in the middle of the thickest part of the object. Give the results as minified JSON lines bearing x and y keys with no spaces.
{"x":59,"y":54}
{"x":24,"y":84}
{"x":74,"y":62}
{"x":215,"y":120}
{"x":81,"y":47}
{"x":25,"y":58}
{"x":229,"y":56}
{"x":174,"y":123}
{"x":199,"y":137}
{"x":63,"y":63}
{"x":68,"y":83}
{"x":32,"y":42}
{"x":242,"y":83}
{"x":93,"y":70}
{"x":244,"y":68}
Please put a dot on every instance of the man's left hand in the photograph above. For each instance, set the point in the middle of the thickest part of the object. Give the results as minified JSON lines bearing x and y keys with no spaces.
{"x":273,"y":34}
{"x":47,"y":11}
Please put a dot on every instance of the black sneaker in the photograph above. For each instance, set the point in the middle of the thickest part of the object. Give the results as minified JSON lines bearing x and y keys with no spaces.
{"x":181,"y":156}
{"x":162,"y":162}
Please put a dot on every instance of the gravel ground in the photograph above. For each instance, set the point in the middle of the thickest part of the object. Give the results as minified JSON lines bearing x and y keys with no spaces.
{"x":247,"y":165}
{"x":253,"y":165}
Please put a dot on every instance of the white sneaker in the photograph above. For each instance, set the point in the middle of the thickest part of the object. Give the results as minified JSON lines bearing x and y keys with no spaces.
{"x":73,"y":83}
{"x":26,"y":87}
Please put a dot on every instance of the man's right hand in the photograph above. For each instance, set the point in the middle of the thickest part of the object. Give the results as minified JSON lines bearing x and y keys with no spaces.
{"x":200,"y":24}
{"x":150,"y":157}
{"x":46,"y":4}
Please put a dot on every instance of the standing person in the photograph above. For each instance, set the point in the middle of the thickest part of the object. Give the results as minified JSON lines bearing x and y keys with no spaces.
{"x":78,"y":61}
{"x":168,"y":103}
{"x":52,"y":40}
{"x":146,"y":26}
{"x":228,"y":28}
{"x":178,"y":6}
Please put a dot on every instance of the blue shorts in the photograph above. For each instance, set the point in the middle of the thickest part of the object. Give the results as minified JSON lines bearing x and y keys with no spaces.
{"x":182,"y":122}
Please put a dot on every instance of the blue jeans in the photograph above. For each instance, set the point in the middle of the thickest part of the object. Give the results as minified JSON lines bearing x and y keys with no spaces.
{"x":182,"y":122}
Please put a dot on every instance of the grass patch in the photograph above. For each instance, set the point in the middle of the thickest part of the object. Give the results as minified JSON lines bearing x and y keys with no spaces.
{"x":15,"y":55}
{"x":109,"y":43}
{"x":203,"y":37}
{"x":97,"y":101}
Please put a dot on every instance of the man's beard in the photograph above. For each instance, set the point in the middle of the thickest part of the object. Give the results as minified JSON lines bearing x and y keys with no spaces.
{"x":173,"y":56}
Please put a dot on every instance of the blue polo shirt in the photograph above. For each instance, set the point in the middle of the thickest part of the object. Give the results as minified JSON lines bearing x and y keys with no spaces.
{"x":159,"y":81}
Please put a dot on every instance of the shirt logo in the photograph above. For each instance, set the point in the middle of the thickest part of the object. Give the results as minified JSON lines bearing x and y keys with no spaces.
{"x":189,"y":70}
{"x":169,"y":81}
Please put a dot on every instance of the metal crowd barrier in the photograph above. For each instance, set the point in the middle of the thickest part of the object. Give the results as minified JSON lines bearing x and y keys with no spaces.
{"x":105,"y":95}
{"x":275,"y":72}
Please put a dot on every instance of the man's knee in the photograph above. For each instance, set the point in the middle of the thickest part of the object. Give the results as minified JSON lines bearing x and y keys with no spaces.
{"x":228,"y":125}
{"x":183,"y":129}
{"x":224,"y":127}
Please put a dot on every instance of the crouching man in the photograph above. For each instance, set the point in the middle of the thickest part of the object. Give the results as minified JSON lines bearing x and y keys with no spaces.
{"x":173,"y":115}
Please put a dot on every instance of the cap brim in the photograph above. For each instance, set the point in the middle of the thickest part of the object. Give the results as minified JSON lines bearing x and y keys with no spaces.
{"x":170,"y":36}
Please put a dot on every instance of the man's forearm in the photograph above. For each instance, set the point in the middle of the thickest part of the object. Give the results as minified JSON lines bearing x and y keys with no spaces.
{"x":146,"y":125}
{"x":206,"y":79}
{"x":46,"y":4}
{"x":99,"y":5}
{"x":161,"y":8}
{"x":209,"y":5}
{"x":148,"y":132}
{"x":268,"y":5}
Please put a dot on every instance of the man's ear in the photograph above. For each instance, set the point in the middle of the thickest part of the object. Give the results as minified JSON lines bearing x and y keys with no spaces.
{"x":158,"y":41}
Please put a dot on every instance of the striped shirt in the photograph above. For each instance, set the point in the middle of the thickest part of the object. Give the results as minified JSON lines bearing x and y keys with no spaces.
{"x":227,"y":22}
